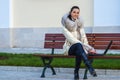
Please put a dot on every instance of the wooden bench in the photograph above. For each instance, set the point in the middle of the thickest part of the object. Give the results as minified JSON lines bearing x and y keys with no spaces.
{"x":98,"y":41}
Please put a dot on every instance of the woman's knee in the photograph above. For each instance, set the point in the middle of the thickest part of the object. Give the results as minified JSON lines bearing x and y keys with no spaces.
{"x":79,"y":49}
{"x":79,"y":45}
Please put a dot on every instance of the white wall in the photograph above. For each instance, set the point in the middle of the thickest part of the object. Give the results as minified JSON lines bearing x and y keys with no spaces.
{"x":48,"y":13}
{"x":107,"y":13}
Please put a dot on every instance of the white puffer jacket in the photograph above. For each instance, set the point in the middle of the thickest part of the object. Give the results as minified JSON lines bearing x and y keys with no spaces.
{"x":74,"y":33}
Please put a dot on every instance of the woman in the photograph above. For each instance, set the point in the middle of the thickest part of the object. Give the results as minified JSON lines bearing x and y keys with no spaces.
{"x":76,"y":42}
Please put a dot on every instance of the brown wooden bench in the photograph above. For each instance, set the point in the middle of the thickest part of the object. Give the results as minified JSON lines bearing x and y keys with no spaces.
{"x":104,"y":41}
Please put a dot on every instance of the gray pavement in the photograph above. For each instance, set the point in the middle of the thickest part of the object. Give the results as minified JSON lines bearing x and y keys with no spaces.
{"x":33,"y":73}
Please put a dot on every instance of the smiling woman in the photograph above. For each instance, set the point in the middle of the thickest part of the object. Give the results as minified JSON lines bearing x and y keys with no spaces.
{"x":4,"y":13}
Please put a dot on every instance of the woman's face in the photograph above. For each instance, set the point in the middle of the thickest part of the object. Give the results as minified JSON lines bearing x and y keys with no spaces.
{"x":75,"y":13}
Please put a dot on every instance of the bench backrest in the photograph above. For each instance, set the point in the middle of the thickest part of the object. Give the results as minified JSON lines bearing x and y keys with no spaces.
{"x":101,"y":40}
{"x":98,"y":41}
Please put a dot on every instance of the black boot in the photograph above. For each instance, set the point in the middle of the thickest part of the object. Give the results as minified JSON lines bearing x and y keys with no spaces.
{"x":78,"y":60}
{"x":76,"y":75}
{"x":88,"y":64}
{"x":90,"y":68}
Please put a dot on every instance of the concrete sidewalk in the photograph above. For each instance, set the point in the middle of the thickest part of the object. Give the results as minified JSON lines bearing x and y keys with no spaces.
{"x":33,"y":73}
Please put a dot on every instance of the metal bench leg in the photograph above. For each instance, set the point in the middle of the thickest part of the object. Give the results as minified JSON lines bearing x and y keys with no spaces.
{"x":53,"y":71}
{"x":43,"y":72}
{"x":86,"y":70}
{"x":47,"y":64}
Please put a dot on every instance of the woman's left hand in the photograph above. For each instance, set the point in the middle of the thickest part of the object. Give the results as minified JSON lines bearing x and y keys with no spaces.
{"x":93,"y":51}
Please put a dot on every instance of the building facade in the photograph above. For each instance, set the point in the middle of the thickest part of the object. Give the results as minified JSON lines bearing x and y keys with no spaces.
{"x":23,"y":23}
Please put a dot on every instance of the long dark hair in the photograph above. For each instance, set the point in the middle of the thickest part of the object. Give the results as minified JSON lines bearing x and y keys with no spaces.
{"x":74,"y":7}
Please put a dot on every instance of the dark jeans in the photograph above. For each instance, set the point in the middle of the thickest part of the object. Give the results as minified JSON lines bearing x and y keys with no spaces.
{"x":78,"y":51}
